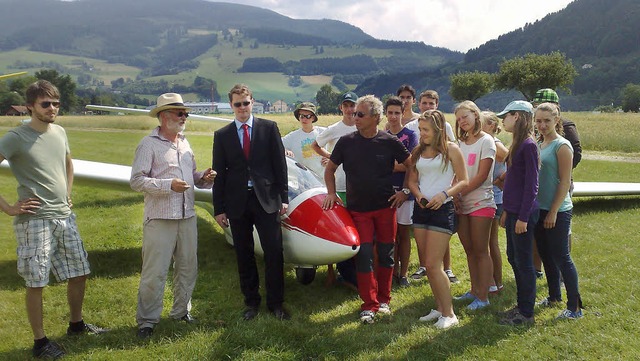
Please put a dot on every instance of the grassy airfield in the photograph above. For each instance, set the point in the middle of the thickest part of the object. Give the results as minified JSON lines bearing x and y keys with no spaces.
{"x":324,"y":326}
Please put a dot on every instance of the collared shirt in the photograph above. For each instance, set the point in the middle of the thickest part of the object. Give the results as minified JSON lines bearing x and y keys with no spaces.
{"x":157,"y":162}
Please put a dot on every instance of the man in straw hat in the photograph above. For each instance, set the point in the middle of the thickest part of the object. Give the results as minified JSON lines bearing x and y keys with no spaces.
{"x":164,"y":169}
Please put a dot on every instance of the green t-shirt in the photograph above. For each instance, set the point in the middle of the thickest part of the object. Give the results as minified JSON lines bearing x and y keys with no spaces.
{"x":38,"y":161}
{"x":549,"y":177}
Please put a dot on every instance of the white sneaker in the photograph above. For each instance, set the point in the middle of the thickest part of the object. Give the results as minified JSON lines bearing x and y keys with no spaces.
{"x":384,"y":309}
{"x":367,"y":316}
{"x":432,"y":316}
{"x":446,"y":322}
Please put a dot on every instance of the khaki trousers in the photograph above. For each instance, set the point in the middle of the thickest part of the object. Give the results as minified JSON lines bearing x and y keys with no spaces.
{"x":165,"y":240}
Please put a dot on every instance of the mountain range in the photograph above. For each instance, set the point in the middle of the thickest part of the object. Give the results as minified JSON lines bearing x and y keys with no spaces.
{"x":177,"y":42}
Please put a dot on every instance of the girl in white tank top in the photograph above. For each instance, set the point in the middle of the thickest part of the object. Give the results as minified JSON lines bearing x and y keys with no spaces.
{"x":435,"y":164}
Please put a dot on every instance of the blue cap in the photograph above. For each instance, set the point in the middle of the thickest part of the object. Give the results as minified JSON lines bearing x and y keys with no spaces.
{"x":516,"y":105}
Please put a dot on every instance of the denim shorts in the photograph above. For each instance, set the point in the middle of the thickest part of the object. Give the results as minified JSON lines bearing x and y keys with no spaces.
{"x":441,"y":220}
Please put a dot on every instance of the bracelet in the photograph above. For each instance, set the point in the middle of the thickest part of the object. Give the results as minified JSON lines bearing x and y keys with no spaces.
{"x":445,"y":194}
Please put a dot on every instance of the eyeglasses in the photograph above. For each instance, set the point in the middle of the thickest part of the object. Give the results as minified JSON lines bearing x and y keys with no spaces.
{"x":180,"y":114}
{"x":359,"y":114}
{"x":45,"y":105}
{"x":239,"y":104}
{"x":307,"y":116}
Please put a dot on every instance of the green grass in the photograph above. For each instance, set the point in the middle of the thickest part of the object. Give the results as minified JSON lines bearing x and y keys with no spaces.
{"x":324,"y":324}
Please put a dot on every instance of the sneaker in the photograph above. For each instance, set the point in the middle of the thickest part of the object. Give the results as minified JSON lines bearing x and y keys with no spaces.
{"x":145,"y":332}
{"x":467,"y":296}
{"x":452,"y":277}
{"x":403,"y":282}
{"x":384,"y":309}
{"x":367,"y":316}
{"x":432,"y":316}
{"x":187,"y":318}
{"x":419,"y":273}
{"x":509,"y":313}
{"x":494,"y":290}
{"x":446,"y":322}
{"x":478,"y":304}
{"x":548,"y":302}
{"x":569,"y":315}
{"x":516,"y":319}
{"x":87,"y":329}
{"x":51,"y":350}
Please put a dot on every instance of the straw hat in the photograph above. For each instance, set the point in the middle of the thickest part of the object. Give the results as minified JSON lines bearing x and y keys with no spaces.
{"x":168,"y":101}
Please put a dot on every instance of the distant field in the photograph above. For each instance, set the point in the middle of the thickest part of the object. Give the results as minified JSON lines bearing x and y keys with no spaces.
{"x":609,"y":133}
{"x":102,"y":69}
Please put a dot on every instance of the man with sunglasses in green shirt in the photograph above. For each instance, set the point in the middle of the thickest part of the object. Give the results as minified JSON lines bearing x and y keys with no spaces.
{"x":44,"y":224}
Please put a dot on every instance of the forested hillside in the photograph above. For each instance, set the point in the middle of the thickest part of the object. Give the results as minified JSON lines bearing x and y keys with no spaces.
{"x":166,"y":37}
{"x":601,"y":37}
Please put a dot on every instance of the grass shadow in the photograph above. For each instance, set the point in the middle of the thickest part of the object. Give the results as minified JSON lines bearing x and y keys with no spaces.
{"x":168,"y":331}
{"x":592,"y":205}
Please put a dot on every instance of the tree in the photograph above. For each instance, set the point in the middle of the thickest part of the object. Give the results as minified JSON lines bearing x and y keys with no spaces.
{"x":470,"y":85}
{"x":327,"y":100}
{"x":7,"y":99}
{"x":65,"y":85}
{"x":532,"y":72}
{"x":631,"y":98}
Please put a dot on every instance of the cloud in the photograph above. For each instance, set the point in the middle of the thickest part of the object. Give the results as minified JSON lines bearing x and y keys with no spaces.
{"x":453,"y":24}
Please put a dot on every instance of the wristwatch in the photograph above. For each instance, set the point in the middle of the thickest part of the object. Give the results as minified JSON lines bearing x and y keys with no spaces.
{"x":406,"y":191}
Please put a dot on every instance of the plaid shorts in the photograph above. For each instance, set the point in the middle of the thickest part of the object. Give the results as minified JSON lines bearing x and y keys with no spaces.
{"x":50,"y":245}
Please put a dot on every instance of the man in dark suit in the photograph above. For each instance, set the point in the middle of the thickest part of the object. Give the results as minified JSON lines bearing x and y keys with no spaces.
{"x":251,"y":190}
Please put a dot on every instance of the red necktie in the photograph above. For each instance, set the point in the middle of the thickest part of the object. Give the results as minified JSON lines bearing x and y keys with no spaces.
{"x":246,"y":141}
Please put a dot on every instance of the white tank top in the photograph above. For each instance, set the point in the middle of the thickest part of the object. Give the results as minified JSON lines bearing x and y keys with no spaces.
{"x":433,"y":179}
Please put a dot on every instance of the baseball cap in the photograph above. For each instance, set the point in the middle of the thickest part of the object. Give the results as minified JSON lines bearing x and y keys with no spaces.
{"x":348,"y":97}
{"x":546,"y":95}
{"x":516,"y":105}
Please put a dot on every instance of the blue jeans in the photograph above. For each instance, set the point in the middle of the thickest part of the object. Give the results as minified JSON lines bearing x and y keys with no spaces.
{"x":520,"y":256}
{"x":553,"y":247}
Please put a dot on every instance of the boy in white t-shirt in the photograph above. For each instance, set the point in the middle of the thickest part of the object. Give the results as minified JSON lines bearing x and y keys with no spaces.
{"x":323,"y":145}
{"x":298,"y":144}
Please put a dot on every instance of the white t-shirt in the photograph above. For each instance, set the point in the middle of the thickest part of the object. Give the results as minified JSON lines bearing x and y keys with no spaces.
{"x":481,"y":197}
{"x":327,"y":140}
{"x":300,"y":143}
{"x":413,"y":125}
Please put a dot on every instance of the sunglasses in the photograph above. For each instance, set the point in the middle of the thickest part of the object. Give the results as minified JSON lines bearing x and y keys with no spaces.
{"x":307,"y":116}
{"x":45,"y":105}
{"x":239,"y":104}
{"x":180,"y":114}
{"x":359,"y":114}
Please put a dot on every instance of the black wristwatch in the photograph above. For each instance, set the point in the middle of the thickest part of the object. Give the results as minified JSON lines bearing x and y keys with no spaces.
{"x":406,"y":191}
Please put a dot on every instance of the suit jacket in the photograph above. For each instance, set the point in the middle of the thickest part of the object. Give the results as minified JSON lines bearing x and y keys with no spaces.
{"x":266,"y":167}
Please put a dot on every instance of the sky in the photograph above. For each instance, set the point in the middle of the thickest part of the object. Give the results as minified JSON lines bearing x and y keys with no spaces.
{"x":453,"y":24}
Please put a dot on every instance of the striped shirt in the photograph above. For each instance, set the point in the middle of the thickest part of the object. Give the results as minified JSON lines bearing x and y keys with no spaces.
{"x":156,"y":163}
